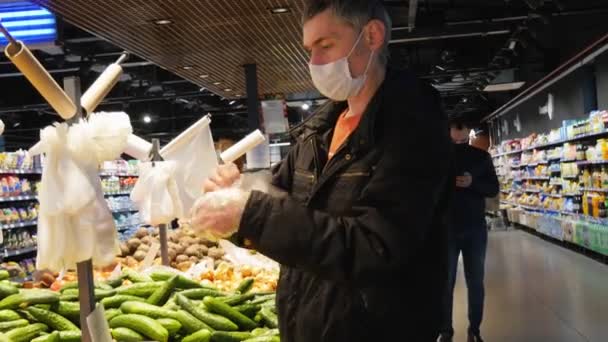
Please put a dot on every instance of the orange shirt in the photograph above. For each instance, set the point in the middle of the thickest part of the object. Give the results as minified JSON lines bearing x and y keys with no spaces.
{"x":344,"y":128}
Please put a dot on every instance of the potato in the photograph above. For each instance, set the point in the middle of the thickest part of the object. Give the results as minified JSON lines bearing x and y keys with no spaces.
{"x":216,"y":253}
{"x":146,"y":240}
{"x":47,"y":279}
{"x":139,"y":255}
{"x":194,"y":259}
{"x":141,"y":232}
{"x":184,"y":266}
{"x":203,"y":250}
{"x":131,"y":261}
{"x":124,"y":249}
{"x":133,"y":244}
{"x":192,"y":251}
{"x":207,"y":242}
{"x":181,"y":258}
{"x":155,"y":232}
{"x":144,"y":248}
{"x":172,"y":253}
{"x":173,"y":237}
{"x":187,"y":241}
{"x":180,"y":249}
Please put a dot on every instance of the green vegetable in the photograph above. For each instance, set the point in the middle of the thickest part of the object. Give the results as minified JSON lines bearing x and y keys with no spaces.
{"x":173,"y":326}
{"x":53,"y":320}
{"x":265,"y":338}
{"x":162,"y":294}
{"x":199,"y":336}
{"x":26,"y":298}
{"x":52,"y":337}
{"x":126,"y":335}
{"x":238,"y":299}
{"x":114,"y":282}
{"x":230,"y":336}
{"x":4,"y":275}
{"x":171,"y":304}
{"x":245,"y":285}
{"x":43,"y":306}
{"x":263,"y":299}
{"x":99,"y":293}
{"x":27,"y":333}
{"x":8,"y":315}
{"x":249,"y":310}
{"x":103,"y":286}
{"x":269,"y":317}
{"x":187,"y":283}
{"x":161,"y":275}
{"x":143,"y":325}
{"x":7,"y":290}
{"x":215,"y":321}
{"x":259,"y":331}
{"x":146,"y":309}
{"x":201,"y":293}
{"x":190,"y":323}
{"x":221,"y":308}
{"x":70,"y":336}
{"x":140,"y":289}
{"x":136,"y":277}
{"x":117,"y":300}
{"x":69,"y":310}
{"x":70,"y":285}
{"x":6,"y":326}
{"x":109,"y":314}
{"x":68,"y":298}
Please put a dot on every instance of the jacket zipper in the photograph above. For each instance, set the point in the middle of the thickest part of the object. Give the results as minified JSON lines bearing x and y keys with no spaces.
{"x":355,"y":174}
{"x":315,"y":153}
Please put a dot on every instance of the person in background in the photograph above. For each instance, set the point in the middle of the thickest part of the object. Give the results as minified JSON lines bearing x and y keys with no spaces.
{"x":475,"y":181}
{"x":366,"y":185}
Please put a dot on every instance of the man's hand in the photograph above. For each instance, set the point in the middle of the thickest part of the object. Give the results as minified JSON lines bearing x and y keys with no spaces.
{"x":218,"y":214}
{"x":223,"y":177}
{"x":464,"y":181}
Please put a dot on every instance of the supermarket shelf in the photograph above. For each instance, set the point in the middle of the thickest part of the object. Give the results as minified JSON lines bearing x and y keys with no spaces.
{"x":21,"y":171}
{"x":17,"y":252}
{"x":18,"y":198}
{"x":595,"y":190}
{"x":570,"y":177}
{"x":551,"y":195}
{"x":19,"y":225}
{"x":568,"y":160}
{"x":571,"y":194}
{"x":536,"y":178}
{"x":117,"y":211}
{"x":117,"y":193}
{"x":117,"y":174}
{"x":506,"y":153}
{"x":531,"y":191}
{"x":592,"y":162}
{"x":555,"y":143}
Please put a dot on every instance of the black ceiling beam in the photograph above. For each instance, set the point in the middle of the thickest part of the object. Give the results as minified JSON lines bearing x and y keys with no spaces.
{"x":449,"y":32}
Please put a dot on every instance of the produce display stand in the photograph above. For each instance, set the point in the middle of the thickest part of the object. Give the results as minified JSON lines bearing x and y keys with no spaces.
{"x":162,"y":228}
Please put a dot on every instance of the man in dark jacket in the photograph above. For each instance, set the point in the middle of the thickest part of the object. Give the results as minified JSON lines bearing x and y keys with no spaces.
{"x":475,"y":180}
{"x":366,"y":181}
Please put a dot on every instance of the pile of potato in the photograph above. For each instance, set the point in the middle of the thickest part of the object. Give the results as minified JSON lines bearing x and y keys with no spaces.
{"x":185,"y":248}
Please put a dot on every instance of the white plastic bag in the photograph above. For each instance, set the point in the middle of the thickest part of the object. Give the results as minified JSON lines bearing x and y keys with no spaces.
{"x":241,"y":256}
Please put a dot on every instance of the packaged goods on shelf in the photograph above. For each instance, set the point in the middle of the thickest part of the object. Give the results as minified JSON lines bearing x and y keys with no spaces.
{"x":120,"y":167}
{"x":12,"y":186}
{"x":18,"y":161}
{"x":121,"y":203}
{"x":18,"y":212}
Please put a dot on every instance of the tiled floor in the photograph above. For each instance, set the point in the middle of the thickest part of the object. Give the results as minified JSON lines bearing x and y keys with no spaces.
{"x":537,"y":291}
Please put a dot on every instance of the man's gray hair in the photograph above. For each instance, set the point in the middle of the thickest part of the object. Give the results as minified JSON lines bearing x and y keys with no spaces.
{"x":357,"y":13}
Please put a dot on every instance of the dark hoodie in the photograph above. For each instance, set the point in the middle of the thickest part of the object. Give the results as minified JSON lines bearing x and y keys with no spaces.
{"x":468,"y":204}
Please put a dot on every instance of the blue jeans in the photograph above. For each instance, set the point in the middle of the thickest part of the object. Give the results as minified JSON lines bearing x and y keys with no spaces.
{"x":473,"y":246}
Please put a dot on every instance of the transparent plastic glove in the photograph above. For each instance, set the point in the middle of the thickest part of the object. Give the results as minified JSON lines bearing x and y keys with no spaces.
{"x":224,"y":176}
{"x":217,"y":215}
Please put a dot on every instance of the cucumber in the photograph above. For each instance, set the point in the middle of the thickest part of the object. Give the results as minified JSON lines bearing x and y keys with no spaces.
{"x":238,"y":299}
{"x":146,"y":309}
{"x":53,"y":320}
{"x":70,"y":336}
{"x":126,"y":335}
{"x":245,"y":285}
{"x":143,"y":325}
{"x":140,"y":289}
{"x":171,"y":304}
{"x":264,"y":338}
{"x":215,"y":321}
{"x":29,"y":297}
{"x":201,"y":293}
{"x":269,"y":317}
{"x":173,"y":326}
{"x":161,"y":275}
{"x":199,"y":336}
{"x":162,"y":294}
{"x":262,"y":299}
{"x":7,"y":290}
{"x":249,"y":310}
{"x":52,"y":337}
{"x":27,"y":333}
{"x":70,"y":285}
{"x":68,"y":298}
{"x":190,"y":323}
{"x":43,"y":306}
{"x":99,"y":293}
{"x":8,"y":315}
{"x":69,"y":310}
{"x":135,"y":277}
{"x":4,"y":275}
{"x":114,"y":282}
{"x":117,"y":300}
{"x":187,"y":283}
{"x":27,"y":316}
{"x":216,"y":306}
{"x":109,"y":314}
{"x":103,"y":286}
{"x":230,"y":336}
{"x":6,"y":326}
{"x":259,"y":331}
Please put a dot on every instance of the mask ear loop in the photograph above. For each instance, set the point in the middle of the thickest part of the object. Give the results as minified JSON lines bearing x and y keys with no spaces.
{"x":371,"y":56}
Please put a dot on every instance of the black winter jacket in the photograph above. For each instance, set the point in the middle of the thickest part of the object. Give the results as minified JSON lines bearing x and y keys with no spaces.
{"x":468,"y":204}
{"x":361,"y":238}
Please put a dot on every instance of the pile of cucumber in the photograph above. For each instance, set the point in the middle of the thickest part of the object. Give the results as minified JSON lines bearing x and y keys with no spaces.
{"x":161,"y":307}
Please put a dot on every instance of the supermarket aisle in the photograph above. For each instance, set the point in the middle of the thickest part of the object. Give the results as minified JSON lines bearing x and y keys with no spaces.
{"x":537,"y":291}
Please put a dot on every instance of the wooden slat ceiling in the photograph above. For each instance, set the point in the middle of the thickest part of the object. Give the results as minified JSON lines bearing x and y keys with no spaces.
{"x":216,"y":37}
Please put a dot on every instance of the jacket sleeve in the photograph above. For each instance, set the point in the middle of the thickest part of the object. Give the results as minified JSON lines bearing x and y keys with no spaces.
{"x":486,"y":184}
{"x":376,"y":241}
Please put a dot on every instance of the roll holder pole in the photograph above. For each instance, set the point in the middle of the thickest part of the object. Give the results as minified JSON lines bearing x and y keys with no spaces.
{"x":162,"y":228}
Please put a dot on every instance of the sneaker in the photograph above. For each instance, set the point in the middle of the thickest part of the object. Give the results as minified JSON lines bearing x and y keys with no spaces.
{"x":474,"y":338}
{"x":445,"y":338}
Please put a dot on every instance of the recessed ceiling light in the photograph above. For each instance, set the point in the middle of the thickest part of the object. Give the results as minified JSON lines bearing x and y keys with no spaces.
{"x":227,"y":90}
{"x":217,"y":83}
{"x":232,"y":102}
{"x":163,"y":22}
{"x":238,"y":95}
{"x":280,"y":10}
{"x":147,"y":119}
{"x":204,"y":76}
{"x":306,"y":106}
{"x":188,"y":67}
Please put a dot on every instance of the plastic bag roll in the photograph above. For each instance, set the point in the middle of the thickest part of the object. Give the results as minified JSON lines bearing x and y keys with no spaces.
{"x":243,"y":146}
{"x":25,"y":61}
{"x":138,"y":147}
{"x":100,"y":88}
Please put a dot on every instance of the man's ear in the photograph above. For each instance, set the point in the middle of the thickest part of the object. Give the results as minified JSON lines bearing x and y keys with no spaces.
{"x":375,"y":34}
